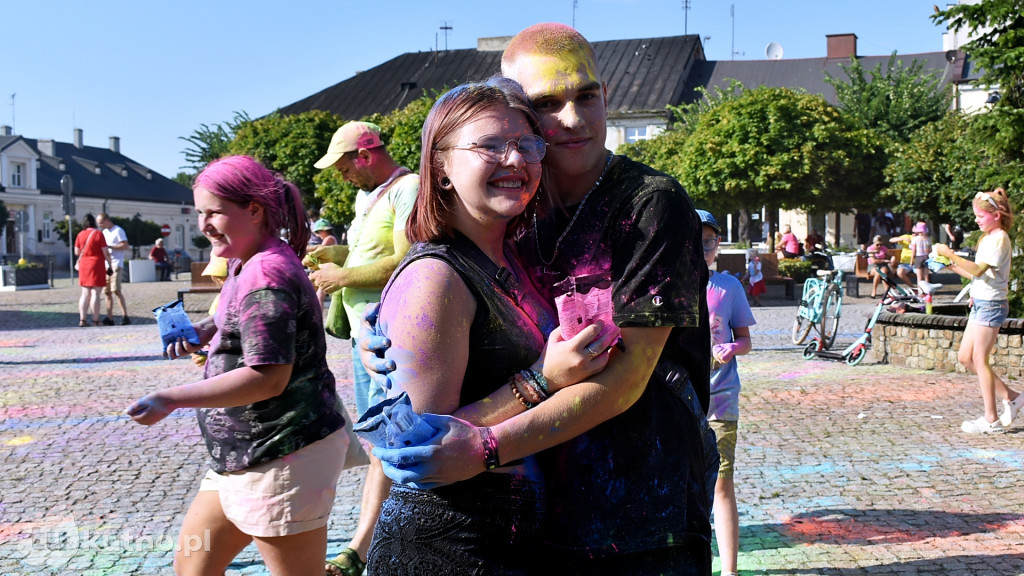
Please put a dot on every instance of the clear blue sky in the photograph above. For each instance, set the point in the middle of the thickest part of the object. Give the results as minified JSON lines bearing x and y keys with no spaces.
{"x":150,"y":72}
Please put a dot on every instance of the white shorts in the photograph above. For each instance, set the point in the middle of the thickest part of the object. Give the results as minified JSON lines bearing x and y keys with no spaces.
{"x":290,"y":495}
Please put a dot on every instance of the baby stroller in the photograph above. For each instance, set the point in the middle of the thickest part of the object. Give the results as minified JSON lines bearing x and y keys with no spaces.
{"x":820,"y":259}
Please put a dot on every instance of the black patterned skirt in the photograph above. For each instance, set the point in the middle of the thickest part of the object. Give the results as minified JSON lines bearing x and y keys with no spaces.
{"x":486,"y":525}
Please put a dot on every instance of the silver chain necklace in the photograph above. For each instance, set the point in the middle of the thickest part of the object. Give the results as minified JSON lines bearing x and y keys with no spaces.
{"x":536,"y":231}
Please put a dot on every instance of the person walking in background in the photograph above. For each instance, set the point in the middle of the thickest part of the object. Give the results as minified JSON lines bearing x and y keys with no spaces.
{"x":955,"y":235}
{"x":754,"y":276}
{"x":314,"y":216}
{"x":117,"y":243}
{"x":730,"y":319}
{"x":921,"y":247}
{"x":93,"y":264}
{"x":355,"y":274}
{"x":266,"y":405}
{"x":159,"y":256}
{"x":990,"y":277}
{"x":883,"y":225}
{"x":862,"y":225}
{"x":322,"y":231}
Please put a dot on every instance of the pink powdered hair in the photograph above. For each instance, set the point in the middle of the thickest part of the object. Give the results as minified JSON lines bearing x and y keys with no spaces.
{"x":241,"y":179}
{"x":547,"y":38}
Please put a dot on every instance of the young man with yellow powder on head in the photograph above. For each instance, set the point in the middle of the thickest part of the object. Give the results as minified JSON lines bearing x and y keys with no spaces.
{"x":628,"y":458}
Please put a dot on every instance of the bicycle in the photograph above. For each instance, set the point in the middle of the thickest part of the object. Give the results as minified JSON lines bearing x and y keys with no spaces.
{"x":821,"y":306}
{"x":895,"y":294}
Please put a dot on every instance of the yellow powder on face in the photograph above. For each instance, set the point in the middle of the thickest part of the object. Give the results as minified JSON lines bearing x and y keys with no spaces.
{"x":542,"y":75}
{"x":20,"y":441}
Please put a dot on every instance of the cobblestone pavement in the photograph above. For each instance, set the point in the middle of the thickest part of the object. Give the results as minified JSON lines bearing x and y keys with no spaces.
{"x":841,"y":470}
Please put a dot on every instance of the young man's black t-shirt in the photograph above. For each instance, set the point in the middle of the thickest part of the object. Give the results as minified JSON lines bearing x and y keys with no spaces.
{"x":640,"y":480}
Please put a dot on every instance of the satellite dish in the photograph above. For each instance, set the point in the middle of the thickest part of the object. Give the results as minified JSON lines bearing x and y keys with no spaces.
{"x":951,"y":56}
{"x":773,"y":51}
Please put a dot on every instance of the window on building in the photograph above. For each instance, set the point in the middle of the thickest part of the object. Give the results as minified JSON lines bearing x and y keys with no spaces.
{"x":635,"y":133}
{"x":47,"y":227}
{"x":17,"y":175}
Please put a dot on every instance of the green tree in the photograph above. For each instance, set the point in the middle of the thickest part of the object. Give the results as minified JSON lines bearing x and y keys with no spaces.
{"x":997,"y":49}
{"x":140,"y":232}
{"x":202,"y":243}
{"x":895,"y":101}
{"x":663,"y":151}
{"x":780,"y":148}
{"x":930,"y":175}
{"x":289,"y":145}
{"x":184,"y":178}
{"x":210,"y":142}
{"x":686,"y":115}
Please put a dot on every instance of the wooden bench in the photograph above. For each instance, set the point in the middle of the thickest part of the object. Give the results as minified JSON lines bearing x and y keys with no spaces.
{"x":770,"y":270}
{"x":860,"y":269}
{"x":200,"y":284}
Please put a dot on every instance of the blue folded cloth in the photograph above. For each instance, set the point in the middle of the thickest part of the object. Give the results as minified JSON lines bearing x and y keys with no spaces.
{"x":393,"y":424}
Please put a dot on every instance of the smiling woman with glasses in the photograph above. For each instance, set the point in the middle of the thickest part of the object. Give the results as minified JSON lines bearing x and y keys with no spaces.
{"x":465,"y":321}
{"x":493,"y":148}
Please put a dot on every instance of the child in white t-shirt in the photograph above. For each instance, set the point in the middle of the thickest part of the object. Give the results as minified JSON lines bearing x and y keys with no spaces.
{"x":990,"y":277}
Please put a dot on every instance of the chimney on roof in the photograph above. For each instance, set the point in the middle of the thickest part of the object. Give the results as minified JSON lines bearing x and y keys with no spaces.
{"x":78,"y":137}
{"x":47,"y":147}
{"x":115,"y":144}
{"x":842,"y":46}
{"x":6,"y":130}
{"x":493,"y":44}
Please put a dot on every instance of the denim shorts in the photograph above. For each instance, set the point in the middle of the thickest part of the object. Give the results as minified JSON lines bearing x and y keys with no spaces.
{"x":989,"y":312}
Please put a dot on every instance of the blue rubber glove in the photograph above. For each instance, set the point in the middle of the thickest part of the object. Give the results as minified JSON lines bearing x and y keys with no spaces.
{"x":453,"y":454}
{"x":372,"y":346}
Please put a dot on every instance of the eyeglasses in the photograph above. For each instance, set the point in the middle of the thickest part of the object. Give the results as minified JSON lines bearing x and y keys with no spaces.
{"x":987,"y":197}
{"x":493,"y":148}
{"x":709,"y":244}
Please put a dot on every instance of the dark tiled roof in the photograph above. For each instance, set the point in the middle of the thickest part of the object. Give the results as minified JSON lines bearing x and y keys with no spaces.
{"x":81,"y":164}
{"x":806,"y":73}
{"x":642,"y":75}
{"x":6,"y":141}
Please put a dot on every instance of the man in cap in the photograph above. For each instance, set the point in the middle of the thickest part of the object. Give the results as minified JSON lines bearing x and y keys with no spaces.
{"x":628,"y":458}
{"x":359,"y":271}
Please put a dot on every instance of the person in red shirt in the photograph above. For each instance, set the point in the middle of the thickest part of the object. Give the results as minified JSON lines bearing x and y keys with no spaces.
{"x":159,"y":255}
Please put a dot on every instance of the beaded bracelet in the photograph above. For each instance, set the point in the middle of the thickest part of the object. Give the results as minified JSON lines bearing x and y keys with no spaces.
{"x":490,"y":444}
{"x":518,"y":394}
{"x":541,"y":381}
{"x":530,"y":382}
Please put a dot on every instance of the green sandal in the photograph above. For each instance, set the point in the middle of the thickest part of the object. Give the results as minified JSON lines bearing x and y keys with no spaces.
{"x":347,"y":563}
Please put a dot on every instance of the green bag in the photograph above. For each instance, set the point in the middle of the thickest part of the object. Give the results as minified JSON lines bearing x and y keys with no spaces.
{"x":336,"y":323}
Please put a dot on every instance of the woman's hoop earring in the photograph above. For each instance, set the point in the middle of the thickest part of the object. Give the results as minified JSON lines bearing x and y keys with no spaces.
{"x":446,"y":183}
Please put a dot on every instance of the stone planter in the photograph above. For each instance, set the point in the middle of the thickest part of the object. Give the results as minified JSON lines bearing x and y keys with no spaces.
{"x":931,"y":341}
{"x":12,"y":278}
